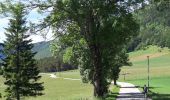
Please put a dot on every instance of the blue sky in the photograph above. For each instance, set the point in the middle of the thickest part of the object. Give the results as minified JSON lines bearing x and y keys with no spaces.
{"x":33,"y":17}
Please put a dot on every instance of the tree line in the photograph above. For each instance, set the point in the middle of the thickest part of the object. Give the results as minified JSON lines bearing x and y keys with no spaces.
{"x":52,"y":64}
{"x":154,"y":24}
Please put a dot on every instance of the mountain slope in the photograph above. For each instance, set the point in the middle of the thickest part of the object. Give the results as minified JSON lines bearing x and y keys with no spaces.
{"x":42,"y":49}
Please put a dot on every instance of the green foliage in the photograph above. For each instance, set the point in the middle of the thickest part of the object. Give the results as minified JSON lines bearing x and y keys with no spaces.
{"x":20,"y":71}
{"x":120,"y":60}
{"x":51,"y":64}
{"x":1,"y":70}
{"x":67,"y":55}
{"x":114,"y":92}
{"x":154,"y":25}
{"x":90,"y":33}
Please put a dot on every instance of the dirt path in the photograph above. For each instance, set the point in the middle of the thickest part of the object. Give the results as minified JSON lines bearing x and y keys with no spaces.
{"x":128,"y":91}
{"x":54,"y":76}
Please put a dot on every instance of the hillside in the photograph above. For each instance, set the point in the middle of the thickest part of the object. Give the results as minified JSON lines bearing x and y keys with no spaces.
{"x":42,"y":49}
{"x":159,"y":63}
{"x":159,"y":69}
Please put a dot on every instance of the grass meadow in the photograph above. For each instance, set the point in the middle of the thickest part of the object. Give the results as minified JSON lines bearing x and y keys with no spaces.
{"x":63,"y":89}
{"x":159,"y":71}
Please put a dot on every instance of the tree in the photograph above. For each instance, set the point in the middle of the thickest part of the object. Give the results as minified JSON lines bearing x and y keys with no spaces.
{"x":120,"y":60}
{"x":20,"y":71}
{"x":51,"y":64}
{"x":94,"y":30}
{"x":154,"y":25}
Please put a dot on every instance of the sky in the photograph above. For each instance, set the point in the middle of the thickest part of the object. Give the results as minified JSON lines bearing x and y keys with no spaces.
{"x":33,"y":17}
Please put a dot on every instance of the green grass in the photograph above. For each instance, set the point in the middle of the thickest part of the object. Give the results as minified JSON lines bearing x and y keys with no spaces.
{"x":62,"y":89}
{"x":2,"y":86}
{"x":114,"y":92}
{"x":159,"y":87}
{"x":154,"y":62}
{"x":148,"y":50}
{"x":159,"y":71}
{"x":69,"y":74}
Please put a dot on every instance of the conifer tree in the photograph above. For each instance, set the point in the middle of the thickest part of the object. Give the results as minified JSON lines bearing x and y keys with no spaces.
{"x":20,"y":71}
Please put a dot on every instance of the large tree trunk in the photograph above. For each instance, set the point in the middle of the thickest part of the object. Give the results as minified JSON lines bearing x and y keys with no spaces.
{"x":18,"y":96}
{"x":91,"y":32}
{"x":18,"y":65}
{"x":98,"y":86}
{"x":115,"y":83}
{"x":98,"y":78}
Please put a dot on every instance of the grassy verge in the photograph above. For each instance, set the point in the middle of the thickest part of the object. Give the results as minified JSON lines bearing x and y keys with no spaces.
{"x":114,"y":91}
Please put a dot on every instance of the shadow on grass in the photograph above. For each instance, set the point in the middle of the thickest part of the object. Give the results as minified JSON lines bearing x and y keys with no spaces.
{"x":111,"y":96}
{"x":149,"y":87}
{"x":158,"y":96}
{"x":113,"y":93}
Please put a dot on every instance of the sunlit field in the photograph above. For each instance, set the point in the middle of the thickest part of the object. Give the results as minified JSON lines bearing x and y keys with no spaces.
{"x":61,"y":89}
{"x":159,"y":70}
{"x":64,"y":89}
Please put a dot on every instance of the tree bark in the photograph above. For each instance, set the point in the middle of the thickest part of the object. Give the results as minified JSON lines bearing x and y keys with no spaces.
{"x":98,"y":74}
{"x":17,"y":71}
{"x":18,"y":96}
{"x":115,"y":83}
{"x":91,"y":33}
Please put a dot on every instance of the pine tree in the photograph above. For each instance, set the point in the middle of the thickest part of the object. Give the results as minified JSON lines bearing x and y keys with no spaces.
{"x":20,"y":70}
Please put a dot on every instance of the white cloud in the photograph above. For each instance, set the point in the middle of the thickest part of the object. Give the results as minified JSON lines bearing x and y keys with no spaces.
{"x":36,"y":38}
{"x":2,"y":37}
{"x":41,"y":37}
{"x":4,"y":20}
{"x":3,"y":23}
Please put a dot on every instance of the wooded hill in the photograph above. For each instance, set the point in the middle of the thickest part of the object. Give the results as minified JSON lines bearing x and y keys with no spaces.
{"x":154,"y":24}
{"x":46,"y":62}
{"x":42,"y":49}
